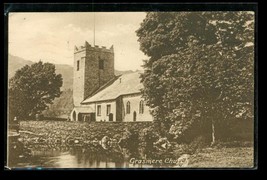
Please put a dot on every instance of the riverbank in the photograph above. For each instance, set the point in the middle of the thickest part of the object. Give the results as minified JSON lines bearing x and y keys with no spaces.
{"x":231,"y":154}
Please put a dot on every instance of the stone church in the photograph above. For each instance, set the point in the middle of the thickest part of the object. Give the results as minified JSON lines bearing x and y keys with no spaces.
{"x":99,"y":95}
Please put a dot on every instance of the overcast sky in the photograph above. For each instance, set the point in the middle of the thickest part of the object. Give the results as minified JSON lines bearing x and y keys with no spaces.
{"x":51,"y":36}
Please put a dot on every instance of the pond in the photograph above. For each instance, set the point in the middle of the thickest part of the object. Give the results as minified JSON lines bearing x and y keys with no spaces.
{"x":73,"y":158}
{"x":89,"y":157}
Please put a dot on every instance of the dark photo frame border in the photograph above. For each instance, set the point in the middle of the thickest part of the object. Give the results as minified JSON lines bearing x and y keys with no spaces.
{"x":134,"y":7}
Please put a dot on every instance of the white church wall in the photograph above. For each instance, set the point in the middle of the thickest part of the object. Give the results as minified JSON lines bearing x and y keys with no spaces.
{"x":103,"y":116}
{"x":134,"y":107}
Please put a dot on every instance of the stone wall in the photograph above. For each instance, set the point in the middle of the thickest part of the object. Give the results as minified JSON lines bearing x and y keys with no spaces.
{"x":90,"y":77}
{"x":63,"y":130}
{"x":78,"y":78}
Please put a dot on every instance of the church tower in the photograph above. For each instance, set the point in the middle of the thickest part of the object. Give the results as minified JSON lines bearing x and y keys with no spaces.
{"x":93,"y":67}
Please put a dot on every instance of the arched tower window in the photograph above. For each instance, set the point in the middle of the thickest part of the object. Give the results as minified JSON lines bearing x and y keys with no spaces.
{"x":141,"y":107}
{"x":128,"y":108}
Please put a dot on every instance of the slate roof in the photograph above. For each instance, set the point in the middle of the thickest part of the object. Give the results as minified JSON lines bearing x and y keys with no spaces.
{"x":124,"y":84}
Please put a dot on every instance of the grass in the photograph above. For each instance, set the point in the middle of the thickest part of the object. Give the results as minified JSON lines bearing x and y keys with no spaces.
{"x":224,"y":157}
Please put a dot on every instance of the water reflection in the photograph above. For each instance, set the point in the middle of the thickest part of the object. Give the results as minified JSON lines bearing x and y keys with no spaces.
{"x":77,"y":157}
{"x":88,"y":157}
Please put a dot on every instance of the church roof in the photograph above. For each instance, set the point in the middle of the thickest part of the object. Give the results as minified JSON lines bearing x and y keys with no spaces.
{"x":124,"y":84}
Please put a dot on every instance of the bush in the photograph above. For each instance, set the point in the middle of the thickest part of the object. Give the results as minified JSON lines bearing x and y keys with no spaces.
{"x":148,"y":136}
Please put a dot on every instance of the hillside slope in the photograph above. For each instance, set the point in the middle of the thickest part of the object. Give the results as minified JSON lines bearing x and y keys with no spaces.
{"x":15,"y":63}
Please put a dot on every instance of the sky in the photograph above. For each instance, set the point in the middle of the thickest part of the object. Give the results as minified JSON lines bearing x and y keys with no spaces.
{"x":51,"y":37}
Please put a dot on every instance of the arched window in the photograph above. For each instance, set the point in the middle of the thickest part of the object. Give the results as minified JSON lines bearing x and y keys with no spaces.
{"x":141,"y":107}
{"x":128,"y":108}
{"x":98,"y":110}
{"x":78,"y":65}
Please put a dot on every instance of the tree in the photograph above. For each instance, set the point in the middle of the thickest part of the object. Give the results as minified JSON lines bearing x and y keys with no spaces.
{"x":200,"y":66}
{"x":32,"y":88}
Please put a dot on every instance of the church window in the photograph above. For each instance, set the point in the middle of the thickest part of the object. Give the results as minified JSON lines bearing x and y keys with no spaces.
{"x":78,"y":65}
{"x":108,"y":109}
{"x":98,"y":110}
{"x":128,"y":108}
{"x":141,"y":107}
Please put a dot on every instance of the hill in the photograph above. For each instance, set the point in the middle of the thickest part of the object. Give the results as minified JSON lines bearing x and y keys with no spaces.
{"x":15,"y":63}
{"x":62,"y":106}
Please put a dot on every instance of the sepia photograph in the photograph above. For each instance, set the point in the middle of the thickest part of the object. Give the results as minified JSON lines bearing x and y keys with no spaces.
{"x":123,"y":90}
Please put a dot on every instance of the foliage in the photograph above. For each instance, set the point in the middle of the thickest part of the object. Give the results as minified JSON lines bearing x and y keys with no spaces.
{"x":200,"y":66}
{"x":61,"y":106}
{"x":32,"y":88}
{"x":148,"y":136}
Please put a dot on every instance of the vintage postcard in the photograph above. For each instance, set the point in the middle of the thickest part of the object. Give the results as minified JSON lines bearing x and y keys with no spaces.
{"x":131,"y":90}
